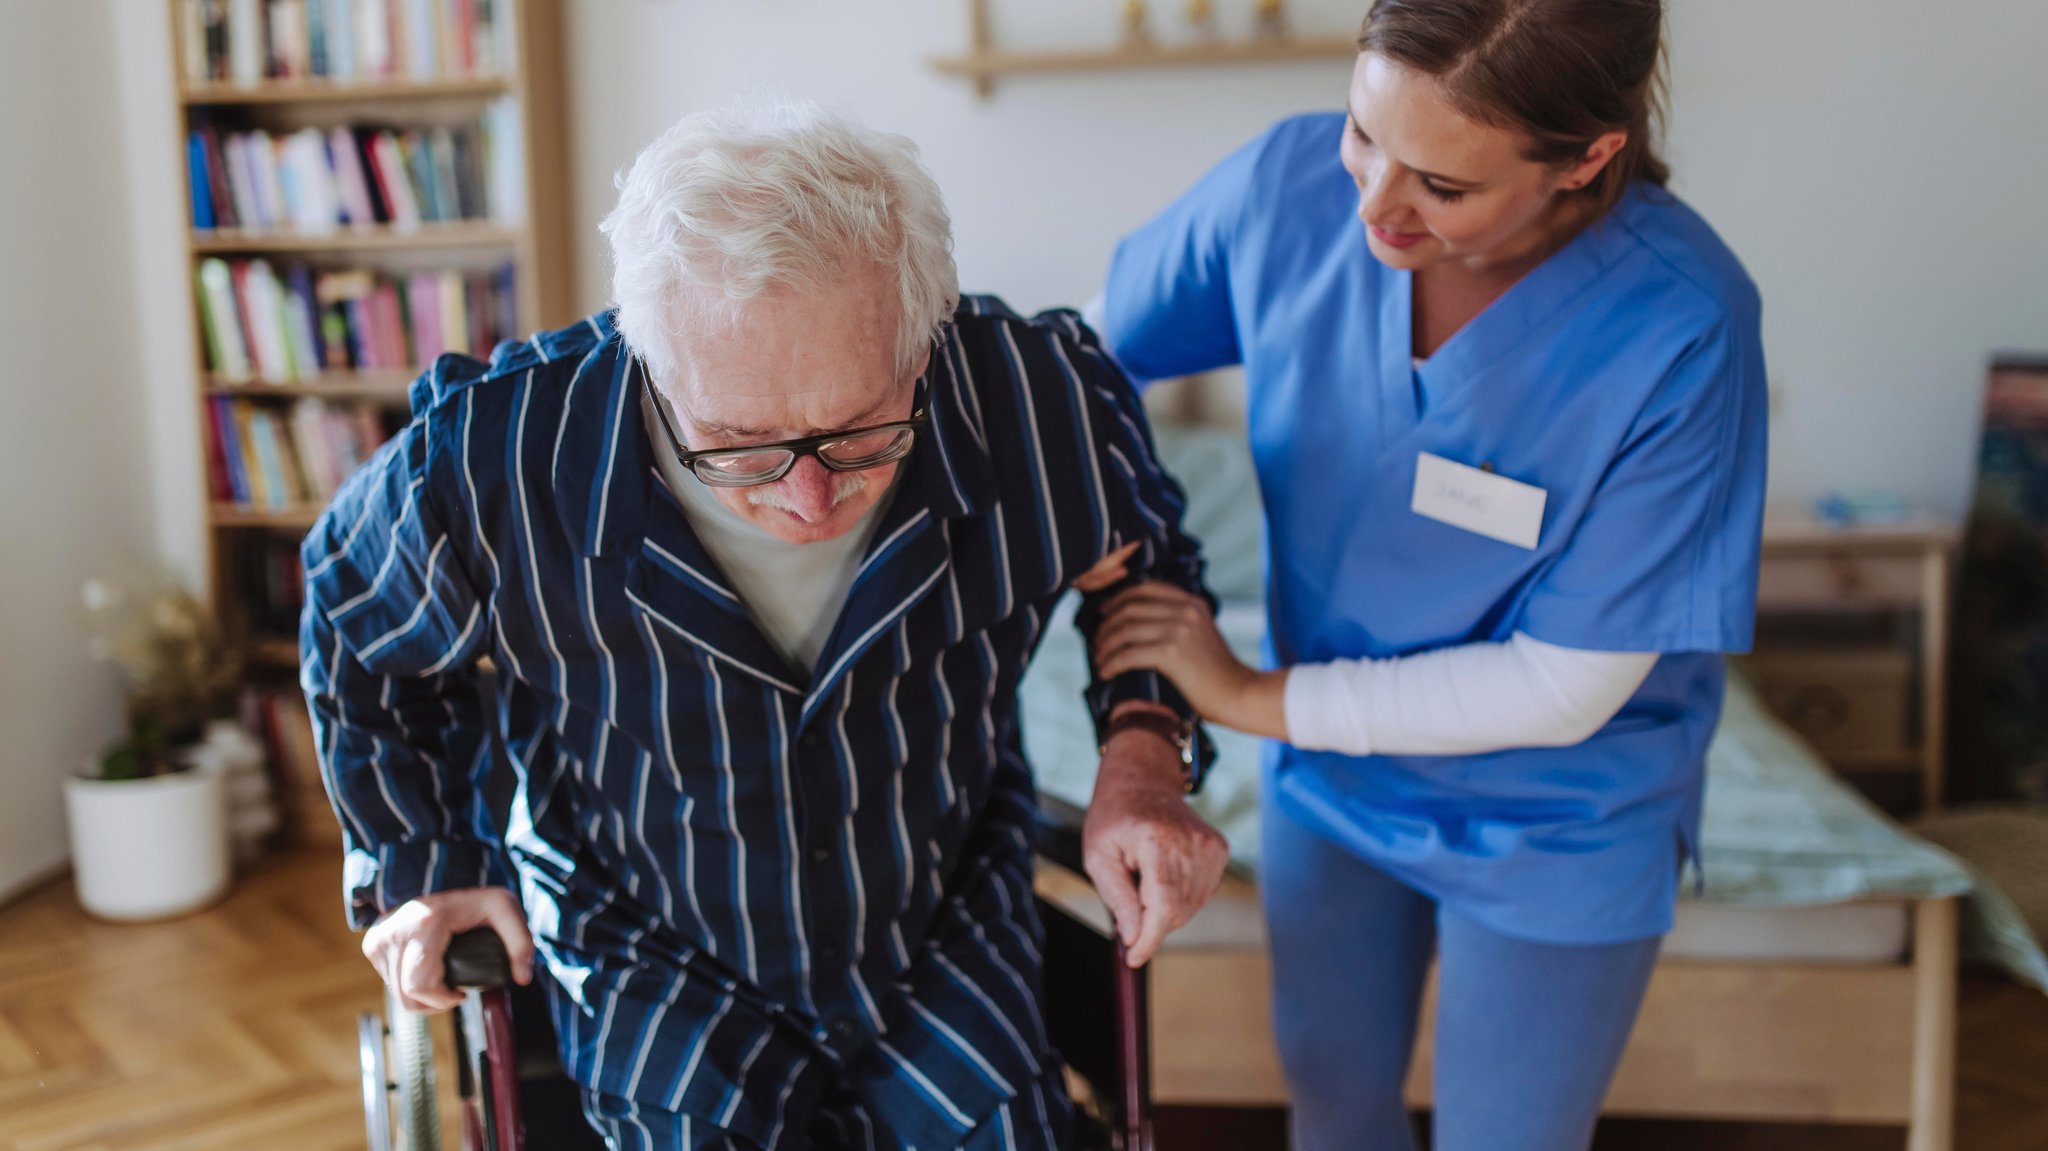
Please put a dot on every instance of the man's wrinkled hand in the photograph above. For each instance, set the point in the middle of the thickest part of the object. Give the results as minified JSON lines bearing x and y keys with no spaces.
{"x":1153,"y":860}
{"x":409,"y":947}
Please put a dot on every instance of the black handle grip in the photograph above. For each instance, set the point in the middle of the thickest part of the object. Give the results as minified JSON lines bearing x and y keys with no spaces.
{"x":476,"y":958}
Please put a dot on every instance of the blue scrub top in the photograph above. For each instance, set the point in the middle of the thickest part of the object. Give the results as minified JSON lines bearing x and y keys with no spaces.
{"x":1624,"y":376}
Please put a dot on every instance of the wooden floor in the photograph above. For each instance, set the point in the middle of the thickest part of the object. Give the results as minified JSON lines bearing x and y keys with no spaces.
{"x":235,"y":1028}
{"x":232,"y":1028}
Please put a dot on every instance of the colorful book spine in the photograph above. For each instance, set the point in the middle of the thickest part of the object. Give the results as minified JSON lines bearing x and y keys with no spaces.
{"x":220,"y":316}
{"x":218,"y":484}
{"x":263,"y":307}
{"x":252,"y":468}
{"x":422,"y":41}
{"x":227,"y":429}
{"x":245,"y":41}
{"x":317,"y":63}
{"x":267,"y":456}
{"x":297,"y":324}
{"x":272,"y":489}
{"x":218,"y":192}
{"x":357,"y":207}
{"x":248,"y":41}
{"x":202,"y":190}
{"x":315,"y":180}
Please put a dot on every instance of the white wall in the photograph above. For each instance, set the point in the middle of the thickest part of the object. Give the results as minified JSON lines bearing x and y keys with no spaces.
{"x":1882,"y":168}
{"x":1881,"y":165}
{"x":72,"y":463}
{"x":1041,"y":181}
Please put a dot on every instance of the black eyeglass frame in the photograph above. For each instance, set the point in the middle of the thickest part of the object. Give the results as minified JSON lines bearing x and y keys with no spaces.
{"x":797,"y":448}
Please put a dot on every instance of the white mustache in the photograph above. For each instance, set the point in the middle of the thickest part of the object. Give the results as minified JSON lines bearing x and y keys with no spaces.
{"x":845,"y":486}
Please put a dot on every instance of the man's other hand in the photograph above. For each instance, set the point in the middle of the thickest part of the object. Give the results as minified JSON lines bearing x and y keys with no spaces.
{"x":1154,"y":861}
{"x":409,"y":946}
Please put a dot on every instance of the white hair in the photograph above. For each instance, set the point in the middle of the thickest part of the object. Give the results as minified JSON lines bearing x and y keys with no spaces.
{"x":764,"y":192}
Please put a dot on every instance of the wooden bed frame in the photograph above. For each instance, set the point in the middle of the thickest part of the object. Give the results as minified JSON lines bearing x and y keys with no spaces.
{"x":1750,"y":1041}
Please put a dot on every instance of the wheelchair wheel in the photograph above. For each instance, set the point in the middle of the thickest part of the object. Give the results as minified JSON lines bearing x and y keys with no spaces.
{"x":376,"y":1081}
{"x":412,"y":1061}
{"x":398,"y":1058}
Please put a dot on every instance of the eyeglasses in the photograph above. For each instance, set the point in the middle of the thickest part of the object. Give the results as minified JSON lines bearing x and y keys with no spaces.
{"x":849,"y":451}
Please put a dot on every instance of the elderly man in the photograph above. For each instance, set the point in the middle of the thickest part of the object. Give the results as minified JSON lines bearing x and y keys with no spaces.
{"x":759,"y":557}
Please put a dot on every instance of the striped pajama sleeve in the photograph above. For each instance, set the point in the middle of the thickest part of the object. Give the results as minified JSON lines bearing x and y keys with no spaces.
{"x":389,"y":640}
{"x":1146,"y":504}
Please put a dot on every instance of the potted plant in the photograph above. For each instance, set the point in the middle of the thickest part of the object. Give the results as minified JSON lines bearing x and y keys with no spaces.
{"x":148,"y":818}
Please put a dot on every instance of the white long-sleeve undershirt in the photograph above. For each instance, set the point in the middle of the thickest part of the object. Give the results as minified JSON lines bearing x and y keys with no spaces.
{"x":1463,"y":700}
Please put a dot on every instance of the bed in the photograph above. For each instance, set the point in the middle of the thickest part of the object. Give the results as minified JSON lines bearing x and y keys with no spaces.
{"x":1810,"y":978}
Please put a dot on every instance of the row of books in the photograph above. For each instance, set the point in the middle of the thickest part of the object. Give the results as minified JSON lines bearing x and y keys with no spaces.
{"x":271,"y":582}
{"x":316,"y":181}
{"x":280,"y":718}
{"x":280,"y":329}
{"x":249,"y":41}
{"x":270,"y":456}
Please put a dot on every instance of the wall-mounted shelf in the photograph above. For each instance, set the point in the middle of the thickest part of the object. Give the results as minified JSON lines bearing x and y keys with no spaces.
{"x":984,"y":63}
{"x":986,"y":66}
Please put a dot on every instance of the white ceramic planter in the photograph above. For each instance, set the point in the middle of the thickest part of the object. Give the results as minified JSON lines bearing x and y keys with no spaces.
{"x":149,"y":848}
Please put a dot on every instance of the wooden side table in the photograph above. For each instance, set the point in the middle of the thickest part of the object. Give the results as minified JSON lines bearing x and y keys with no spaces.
{"x":1856,"y":702}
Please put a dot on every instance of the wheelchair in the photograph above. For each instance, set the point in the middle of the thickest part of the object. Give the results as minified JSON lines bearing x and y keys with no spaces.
{"x":514,"y":1095}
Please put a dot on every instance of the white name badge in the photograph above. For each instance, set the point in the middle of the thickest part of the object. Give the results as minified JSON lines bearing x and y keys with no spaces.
{"x":1480,"y":502}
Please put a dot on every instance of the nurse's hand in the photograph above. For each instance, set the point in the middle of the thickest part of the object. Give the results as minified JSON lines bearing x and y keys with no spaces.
{"x":1162,"y":628}
{"x":1154,"y":861}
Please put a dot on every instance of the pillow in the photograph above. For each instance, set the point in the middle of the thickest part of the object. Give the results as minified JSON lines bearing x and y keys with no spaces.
{"x":1214,"y":467}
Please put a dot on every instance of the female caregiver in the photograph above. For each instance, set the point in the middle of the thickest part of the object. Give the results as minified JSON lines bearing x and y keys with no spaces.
{"x":1507,"y":402}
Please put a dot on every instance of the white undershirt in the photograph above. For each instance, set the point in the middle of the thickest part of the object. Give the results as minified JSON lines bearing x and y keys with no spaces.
{"x":793,"y":591}
{"x":1463,"y":700}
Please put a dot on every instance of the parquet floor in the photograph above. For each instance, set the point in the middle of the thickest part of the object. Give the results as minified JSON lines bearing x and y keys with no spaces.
{"x":235,"y":1029}
{"x":232,"y":1028}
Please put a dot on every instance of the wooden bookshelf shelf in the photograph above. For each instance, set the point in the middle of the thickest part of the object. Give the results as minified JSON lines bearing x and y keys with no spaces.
{"x":390,"y":386}
{"x":320,"y":91}
{"x":426,"y":237}
{"x":298,"y":517}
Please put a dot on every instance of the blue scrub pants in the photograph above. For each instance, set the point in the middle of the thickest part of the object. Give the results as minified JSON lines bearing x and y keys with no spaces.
{"x":1527,"y":1034}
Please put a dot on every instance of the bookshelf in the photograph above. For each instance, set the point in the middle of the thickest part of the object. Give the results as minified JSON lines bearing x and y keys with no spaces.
{"x":375,"y":181}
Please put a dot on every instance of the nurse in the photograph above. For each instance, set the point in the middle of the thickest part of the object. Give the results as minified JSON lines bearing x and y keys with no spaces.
{"x":1507,"y":403}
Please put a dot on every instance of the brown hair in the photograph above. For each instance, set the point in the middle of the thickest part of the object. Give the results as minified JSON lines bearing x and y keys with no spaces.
{"x":1561,"y":72}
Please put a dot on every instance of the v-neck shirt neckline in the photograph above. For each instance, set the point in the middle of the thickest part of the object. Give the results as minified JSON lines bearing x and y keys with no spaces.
{"x":1413,"y":388}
